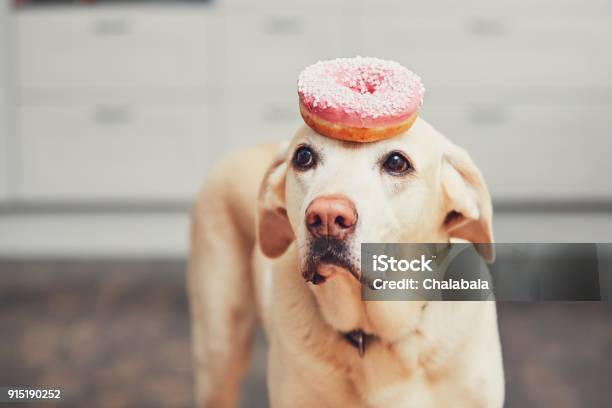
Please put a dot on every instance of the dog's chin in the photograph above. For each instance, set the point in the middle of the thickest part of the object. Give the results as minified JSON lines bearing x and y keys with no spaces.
{"x":338,"y":294}
{"x":329,"y":270}
{"x":332,"y":268}
{"x":326,"y":259}
{"x":323,"y":271}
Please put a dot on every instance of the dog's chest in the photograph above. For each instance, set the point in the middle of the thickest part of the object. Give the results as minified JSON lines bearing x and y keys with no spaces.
{"x":372,"y":382}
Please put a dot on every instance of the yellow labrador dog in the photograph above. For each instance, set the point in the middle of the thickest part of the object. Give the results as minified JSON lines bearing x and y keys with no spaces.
{"x":276,"y":237}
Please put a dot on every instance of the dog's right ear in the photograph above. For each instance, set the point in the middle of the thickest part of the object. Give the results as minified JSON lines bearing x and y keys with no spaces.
{"x":273,"y":228}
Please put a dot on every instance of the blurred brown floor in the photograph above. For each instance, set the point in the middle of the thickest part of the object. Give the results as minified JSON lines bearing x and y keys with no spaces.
{"x":117,"y":334}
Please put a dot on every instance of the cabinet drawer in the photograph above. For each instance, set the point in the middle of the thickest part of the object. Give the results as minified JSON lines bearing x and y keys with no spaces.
{"x":436,"y":8}
{"x":267,"y":119}
{"x":4,"y":149}
{"x":553,"y":227}
{"x":238,"y":5}
{"x":273,"y":48}
{"x":3,"y":172}
{"x":111,"y":47}
{"x":535,"y":152}
{"x":483,"y":51}
{"x":111,"y":152}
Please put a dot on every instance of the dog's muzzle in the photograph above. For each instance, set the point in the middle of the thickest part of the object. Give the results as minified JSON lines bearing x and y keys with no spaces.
{"x":328,"y":251}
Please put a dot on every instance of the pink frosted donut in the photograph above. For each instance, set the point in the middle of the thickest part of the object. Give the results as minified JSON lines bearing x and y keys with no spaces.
{"x":359,"y":99}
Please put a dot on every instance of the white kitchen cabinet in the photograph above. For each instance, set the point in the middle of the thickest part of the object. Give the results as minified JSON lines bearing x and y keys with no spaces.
{"x":4,"y":171}
{"x":4,"y":96}
{"x":257,"y":119}
{"x":3,"y":165}
{"x":87,"y":47}
{"x":264,"y":49}
{"x":129,"y":105}
{"x":551,"y":226}
{"x":316,"y":6}
{"x":113,"y":235}
{"x":531,"y":152}
{"x":545,"y":9}
{"x":496,"y":51}
{"x":111,"y":152}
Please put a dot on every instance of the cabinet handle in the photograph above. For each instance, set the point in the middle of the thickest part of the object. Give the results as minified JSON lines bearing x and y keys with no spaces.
{"x":111,"y":115}
{"x":494,"y":115}
{"x":487,"y":27}
{"x":283,"y":25}
{"x":111,"y":27}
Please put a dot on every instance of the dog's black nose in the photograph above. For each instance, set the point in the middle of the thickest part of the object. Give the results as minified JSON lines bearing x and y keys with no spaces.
{"x":331,"y":216}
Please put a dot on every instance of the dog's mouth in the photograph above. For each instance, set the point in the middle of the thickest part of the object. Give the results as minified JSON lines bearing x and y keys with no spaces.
{"x":325,"y":251}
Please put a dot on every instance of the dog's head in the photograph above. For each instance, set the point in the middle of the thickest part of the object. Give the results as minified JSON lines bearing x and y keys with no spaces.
{"x":330,"y":196}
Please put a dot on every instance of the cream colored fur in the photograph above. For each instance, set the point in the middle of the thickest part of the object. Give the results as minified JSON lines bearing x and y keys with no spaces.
{"x":427,"y":354}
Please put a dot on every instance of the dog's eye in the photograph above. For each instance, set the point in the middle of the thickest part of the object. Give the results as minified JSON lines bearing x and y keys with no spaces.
{"x":396,"y":164}
{"x":304,"y":158}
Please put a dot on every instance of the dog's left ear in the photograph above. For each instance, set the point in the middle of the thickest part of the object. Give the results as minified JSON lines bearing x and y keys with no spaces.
{"x":273,"y":227}
{"x":467,"y":207}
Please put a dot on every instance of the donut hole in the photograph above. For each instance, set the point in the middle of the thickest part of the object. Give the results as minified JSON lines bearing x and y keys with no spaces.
{"x":370,"y":88}
{"x":362,"y":81}
{"x":363,"y":87}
